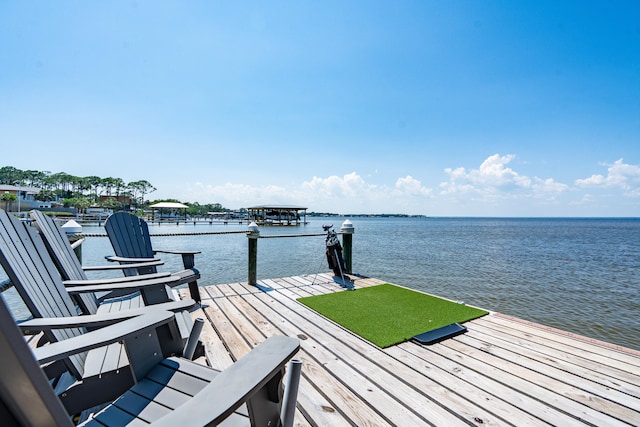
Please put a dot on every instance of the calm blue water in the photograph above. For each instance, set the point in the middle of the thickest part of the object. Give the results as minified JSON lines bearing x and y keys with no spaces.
{"x":580,"y":275}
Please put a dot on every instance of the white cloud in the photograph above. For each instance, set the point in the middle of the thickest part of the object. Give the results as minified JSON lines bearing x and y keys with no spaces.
{"x":411,"y":186}
{"x":634,"y":192}
{"x":491,"y":175}
{"x":492,"y":172}
{"x":593,"y":180}
{"x":347,"y":194}
{"x":237,"y":195}
{"x":619,"y":175}
{"x":355,"y":195}
{"x":350,"y":185}
{"x":495,"y":180}
{"x":585,"y":200}
{"x":548,"y":187}
{"x":494,"y":187}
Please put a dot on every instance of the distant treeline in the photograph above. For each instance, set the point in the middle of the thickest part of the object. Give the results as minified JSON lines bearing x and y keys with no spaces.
{"x":61,"y":185}
{"x":83,"y":192}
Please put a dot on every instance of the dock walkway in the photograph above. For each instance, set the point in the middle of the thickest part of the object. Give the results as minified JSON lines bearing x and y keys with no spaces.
{"x":503,"y":371}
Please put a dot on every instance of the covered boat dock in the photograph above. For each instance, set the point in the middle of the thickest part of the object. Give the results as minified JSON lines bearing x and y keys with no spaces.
{"x":171,"y":211}
{"x":278,"y":214}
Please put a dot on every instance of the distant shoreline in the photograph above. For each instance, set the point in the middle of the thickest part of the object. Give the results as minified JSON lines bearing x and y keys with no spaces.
{"x":363,"y":215}
{"x":325,"y":214}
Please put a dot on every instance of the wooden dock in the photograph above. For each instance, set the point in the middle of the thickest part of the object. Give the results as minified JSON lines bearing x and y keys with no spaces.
{"x":503,"y":371}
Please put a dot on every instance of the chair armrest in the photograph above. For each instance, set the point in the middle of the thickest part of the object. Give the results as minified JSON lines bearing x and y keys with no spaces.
{"x":93,"y":321}
{"x":102,"y":337}
{"x":115,"y":280}
{"x":32,"y":326}
{"x":124,"y":266}
{"x":79,"y":286}
{"x":235,"y":385}
{"x":165,"y":251}
{"x":188,"y":257}
{"x":114,"y":258}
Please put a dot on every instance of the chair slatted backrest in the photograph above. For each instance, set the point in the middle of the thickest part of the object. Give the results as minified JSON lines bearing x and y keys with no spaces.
{"x":129,"y":237}
{"x":28,"y":265}
{"x":26,"y":398}
{"x":69,"y":266}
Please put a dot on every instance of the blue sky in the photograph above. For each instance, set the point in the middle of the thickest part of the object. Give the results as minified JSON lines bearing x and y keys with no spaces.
{"x":443,"y":108}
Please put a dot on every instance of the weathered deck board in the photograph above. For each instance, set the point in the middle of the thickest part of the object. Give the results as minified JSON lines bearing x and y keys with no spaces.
{"x":503,"y":371}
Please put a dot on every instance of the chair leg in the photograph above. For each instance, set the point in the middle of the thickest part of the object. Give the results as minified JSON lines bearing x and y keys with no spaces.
{"x":194,"y":291}
{"x":194,"y":336}
{"x":287,"y":412}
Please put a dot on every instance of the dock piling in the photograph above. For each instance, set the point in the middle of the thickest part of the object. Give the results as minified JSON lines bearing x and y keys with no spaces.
{"x":253,"y":235}
{"x":347,"y":231}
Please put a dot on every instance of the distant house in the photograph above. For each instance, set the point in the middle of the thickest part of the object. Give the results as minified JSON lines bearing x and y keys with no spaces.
{"x":26,"y":197}
{"x":96,"y":212}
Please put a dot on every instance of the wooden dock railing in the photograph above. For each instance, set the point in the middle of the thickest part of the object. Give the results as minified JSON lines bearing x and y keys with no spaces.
{"x":253,"y":234}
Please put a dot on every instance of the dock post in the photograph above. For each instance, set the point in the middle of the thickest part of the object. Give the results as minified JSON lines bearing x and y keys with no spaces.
{"x":73,"y":230}
{"x":76,"y":244}
{"x":347,"y":231}
{"x":253,"y":235}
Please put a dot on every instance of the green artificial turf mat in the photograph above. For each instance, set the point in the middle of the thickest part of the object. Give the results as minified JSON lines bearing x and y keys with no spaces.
{"x":387,"y":314}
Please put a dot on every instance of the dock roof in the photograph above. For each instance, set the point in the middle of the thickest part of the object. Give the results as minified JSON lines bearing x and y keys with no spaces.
{"x":281,"y":207}
{"x":169,"y":205}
